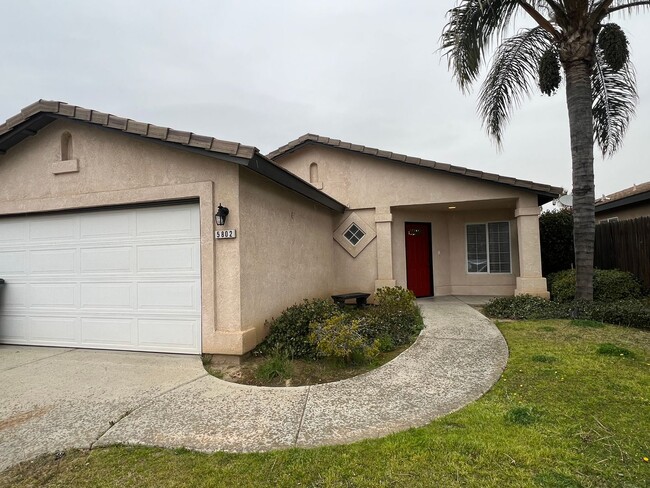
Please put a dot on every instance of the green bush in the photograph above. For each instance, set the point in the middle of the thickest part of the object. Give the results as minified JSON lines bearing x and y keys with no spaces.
{"x":556,"y":240}
{"x":630,"y":313}
{"x":289,"y":332}
{"x":609,"y":285}
{"x":396,"y":315}
{"x":342,"y":337}
{"x":277,"y":366}
{"x":522,"y":307}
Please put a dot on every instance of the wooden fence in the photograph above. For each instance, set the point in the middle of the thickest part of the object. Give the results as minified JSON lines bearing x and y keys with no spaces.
{"x":625,"y":245}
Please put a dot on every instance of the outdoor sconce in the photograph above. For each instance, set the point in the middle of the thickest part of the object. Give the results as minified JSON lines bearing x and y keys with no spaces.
{"x":220,"y":216}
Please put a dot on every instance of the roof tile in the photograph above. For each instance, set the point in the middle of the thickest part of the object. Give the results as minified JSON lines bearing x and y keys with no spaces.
{"x":178,"y":136}
{"x":99,"y":118}
{"x":204,"y":142}
{"x":157,"y":132}
{"x":136,"y":127}
{"x":83,"y":114}
{"x":67,"y":110}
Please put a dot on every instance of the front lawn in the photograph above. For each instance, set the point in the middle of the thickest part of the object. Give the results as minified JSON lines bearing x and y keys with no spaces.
{"x":571,"y":410}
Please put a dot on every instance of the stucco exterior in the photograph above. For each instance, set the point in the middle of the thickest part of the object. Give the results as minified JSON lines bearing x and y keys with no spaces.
{"x":240,"y":284}
{"x":624,"y":212}
{"x":292,"y":237}
{"x":386,"y":194}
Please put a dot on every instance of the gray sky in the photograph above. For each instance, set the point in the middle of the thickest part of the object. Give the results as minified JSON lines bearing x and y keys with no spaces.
{"x":265,"y":72}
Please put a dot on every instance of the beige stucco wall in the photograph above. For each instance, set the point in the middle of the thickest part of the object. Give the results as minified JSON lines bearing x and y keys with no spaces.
{"x":286,"y":251}
{"x":115,"y":169}
{"x":373,"y":187}
{"x":625,"y":213}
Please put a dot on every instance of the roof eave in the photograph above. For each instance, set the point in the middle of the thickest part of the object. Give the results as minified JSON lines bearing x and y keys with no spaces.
{"x":631,"y":200}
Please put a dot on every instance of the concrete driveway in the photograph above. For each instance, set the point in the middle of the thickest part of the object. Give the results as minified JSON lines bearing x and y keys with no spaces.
{"x":55,"y":399}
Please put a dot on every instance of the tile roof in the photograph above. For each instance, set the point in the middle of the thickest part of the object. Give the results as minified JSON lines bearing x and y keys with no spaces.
{"x":621,"y":194}
{"x":547,"y":190}
{"x":166,"y":134}
{"x":38,"y":115}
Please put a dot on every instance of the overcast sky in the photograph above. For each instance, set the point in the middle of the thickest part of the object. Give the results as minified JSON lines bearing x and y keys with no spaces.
{"x":265,"y":72}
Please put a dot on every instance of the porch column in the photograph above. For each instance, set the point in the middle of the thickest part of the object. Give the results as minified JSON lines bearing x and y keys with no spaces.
{"x":530,"y":280}
{"x":383,"y":224}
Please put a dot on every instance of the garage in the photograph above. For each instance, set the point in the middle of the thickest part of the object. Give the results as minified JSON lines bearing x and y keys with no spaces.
{"x":113,"y":278}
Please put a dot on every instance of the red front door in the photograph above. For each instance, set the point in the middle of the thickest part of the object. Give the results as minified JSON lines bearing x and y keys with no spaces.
{"x":419,"y":274}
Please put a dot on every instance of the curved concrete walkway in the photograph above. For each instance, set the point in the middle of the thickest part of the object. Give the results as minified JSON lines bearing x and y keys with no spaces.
{"x":56,"y":399}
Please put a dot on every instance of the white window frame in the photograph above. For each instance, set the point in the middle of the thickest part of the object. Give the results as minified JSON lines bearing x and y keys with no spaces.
{"x":487,"y":241}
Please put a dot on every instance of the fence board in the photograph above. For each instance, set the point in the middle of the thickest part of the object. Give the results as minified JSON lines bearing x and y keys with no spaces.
{"x":624,"y":244}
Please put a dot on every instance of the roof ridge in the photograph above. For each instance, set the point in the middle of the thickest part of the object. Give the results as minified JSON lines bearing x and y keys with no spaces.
{"x":127,"y":125}
{"x":403,"y":158}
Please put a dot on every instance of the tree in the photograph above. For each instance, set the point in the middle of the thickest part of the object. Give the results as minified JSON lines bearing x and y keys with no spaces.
{"x":569,"y":36}
{"x":556,"y":240}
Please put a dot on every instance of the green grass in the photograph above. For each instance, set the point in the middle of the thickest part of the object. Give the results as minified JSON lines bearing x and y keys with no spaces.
{"x":577,"y":420}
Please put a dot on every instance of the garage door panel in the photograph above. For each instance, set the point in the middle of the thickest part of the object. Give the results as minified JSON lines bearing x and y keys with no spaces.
{"x":107,"y":295}
{"x":109,"y":331}
{"x":165,"y":221}
{"x":106,"y":260}
{"x":13,"y":328}
{"x":13,"y":263}
{"x":54,"y":330}
{"x":14,"y":296}
{"x":53,"y":295}
{"x":168,"y":296}
{"x":52,"y":261}
{"x":96,"y":279}
{"x":110,"y":224}
{"x":166,"y":333}
{"x":168,"y":258}
{"x":12,"y":230}
{"x":54,"y":228}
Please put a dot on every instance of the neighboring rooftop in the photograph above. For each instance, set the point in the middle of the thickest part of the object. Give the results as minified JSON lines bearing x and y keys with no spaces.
{"x":548,"y":191}
{"x":633,"y":194}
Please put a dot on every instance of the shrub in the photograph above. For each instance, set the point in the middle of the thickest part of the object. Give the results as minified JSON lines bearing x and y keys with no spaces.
{"x":396,"y":315}
{"x":609,"y":285}
{"x":277,"y":366}
{"x":556,"y":240}
{"x":522,"y":307}
{"x":342,"y":337}
{"x":630,"y":313}
{"x":289,"y":332}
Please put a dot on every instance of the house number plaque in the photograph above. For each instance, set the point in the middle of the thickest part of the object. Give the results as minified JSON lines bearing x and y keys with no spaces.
{"x":225,"y":234}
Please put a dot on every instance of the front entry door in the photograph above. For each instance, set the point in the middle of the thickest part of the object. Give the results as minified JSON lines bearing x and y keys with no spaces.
{"x":419,"y":273}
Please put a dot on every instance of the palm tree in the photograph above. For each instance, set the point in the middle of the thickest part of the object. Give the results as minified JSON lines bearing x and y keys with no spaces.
{"x":600,"y":83}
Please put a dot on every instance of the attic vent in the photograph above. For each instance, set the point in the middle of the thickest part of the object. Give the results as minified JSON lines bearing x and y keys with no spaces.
{"x":313,"y":173}
{"x":66,"y":146}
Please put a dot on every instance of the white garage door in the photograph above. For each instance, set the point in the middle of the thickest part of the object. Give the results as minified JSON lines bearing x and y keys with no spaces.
{"x":111,"y":279}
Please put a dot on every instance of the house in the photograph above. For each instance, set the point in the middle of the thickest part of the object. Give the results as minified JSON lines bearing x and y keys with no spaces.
{"x":118,"y":234}
{"x":626,"y":204}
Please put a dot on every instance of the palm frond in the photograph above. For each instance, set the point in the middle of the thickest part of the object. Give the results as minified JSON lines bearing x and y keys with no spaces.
{"x":510,"y":79}
{"x":627,"y":5}
{"x":614,"y":104}
{"x":471,"y":27}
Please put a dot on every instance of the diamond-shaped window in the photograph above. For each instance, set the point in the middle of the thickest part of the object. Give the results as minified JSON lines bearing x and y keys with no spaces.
{"x":354,"y":234}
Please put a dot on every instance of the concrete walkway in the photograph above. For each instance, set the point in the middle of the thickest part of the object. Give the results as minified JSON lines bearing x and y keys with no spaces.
{"x":56,"y":399}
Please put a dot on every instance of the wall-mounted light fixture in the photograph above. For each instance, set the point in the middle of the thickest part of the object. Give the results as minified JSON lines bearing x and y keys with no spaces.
{"x":221,"y":215}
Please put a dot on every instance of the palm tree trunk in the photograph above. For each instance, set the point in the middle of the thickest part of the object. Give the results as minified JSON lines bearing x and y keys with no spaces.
{"x":579,"y":103}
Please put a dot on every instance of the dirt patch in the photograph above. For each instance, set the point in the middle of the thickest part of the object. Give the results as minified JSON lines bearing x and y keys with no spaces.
{"x":300,"y":372}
